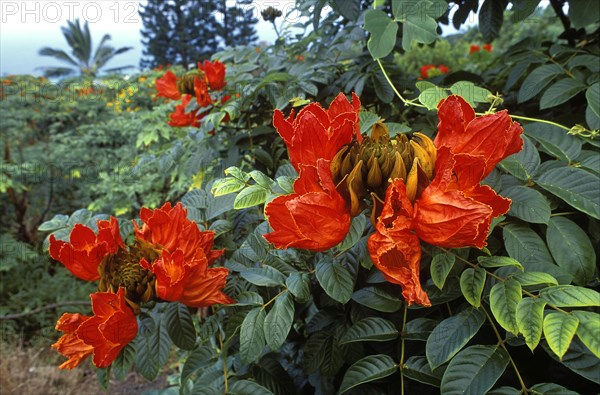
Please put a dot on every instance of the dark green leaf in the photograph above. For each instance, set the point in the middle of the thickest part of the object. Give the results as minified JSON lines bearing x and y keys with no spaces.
{"x":570,"y":296}
{"x":474,"y":370}
{"x":357,"y":226}
{"x":472,"y":282}
{"x":581,"y":361}
{"x":265,"y":276}
{"x":180,"y":326}
{"x":584,"y":13}
{"x":593,"y":97}
{"x":124,"y":361}
{"x":419,"y":329}
{"x":498,"y":261}
{"x":504,"y":299}
{"x":523,"y":165}
{"x":370,"y":329}
{"x":550,"y":389}
{"x":588,"y":330}
{"x":252,"y":335}
{"x":247,"y":387}
{"x":369,"y":368}
{"x":417,"y":368}
{"x":556,"y":141}
{"x":377,"y":299}
{"x":572,"y":249}
{"x":199,"y":358}
{"x":560,"y":92}
{"x":441,"y":264}
{"x":336,"y":280}
{"x":451,"y":335}
{"x":299,"y":286}
{"x":383,"y":33}
{"x":537,"y":80}
{"x":491,"y":16}
{"x":528,"y":204}
{"x":279,"y":321}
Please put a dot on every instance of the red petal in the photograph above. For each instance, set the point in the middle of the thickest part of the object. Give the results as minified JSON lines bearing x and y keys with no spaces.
{"x":167,"y":86}
{"x":202,"y":291}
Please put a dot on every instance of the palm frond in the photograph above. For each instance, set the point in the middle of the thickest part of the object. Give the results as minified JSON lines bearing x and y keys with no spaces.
{"x":58,"y":54}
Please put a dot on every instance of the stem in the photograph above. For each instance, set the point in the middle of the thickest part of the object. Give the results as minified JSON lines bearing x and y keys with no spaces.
{"x":273,"y":299}
{"x":224,"y":358}
{"x":501,"y":344}
{"x":402,"y":350}
{"x":391,"y":84}
{"x":47,"y":307}
{"x":538,"y":120}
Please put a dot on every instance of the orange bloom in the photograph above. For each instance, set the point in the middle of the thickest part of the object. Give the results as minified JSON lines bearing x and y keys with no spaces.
{"x":443,"y":69}
{"x":487,"y":47}
{"x":215,"y":73}
{"x":318,"y":133}
{"x":86,"y":249}
{"x":201,"y":90}
{"x":394,"y":247}
{"x":180,"y":118}
{"x":315,"y":217}
{"x":167,"y":86}
{"x":455,"y":210}
{"x":473,"y":49}
{"x":182,"y":269}
{"x":70,"y":345}
{"x":111,"y":328}
{"x":425,"y":70}
{"x":104,"y":335}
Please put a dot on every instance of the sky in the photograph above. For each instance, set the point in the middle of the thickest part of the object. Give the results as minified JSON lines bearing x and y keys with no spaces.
{"x":27,"y":26}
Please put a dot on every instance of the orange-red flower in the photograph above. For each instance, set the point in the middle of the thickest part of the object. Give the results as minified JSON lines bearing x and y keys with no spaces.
{"x":215,"y":73}
{"x":487,"y":47}
{"x":395,"y":248}
{"x":455,"y":210}
{"x":201,"y":90}
{"x":167,"y":86}
{"x":315,"y":217}
{"x":474,"y":48}
{"x":181,"y":118}
{"x":70,"y":345}
{"x":86,"y":249}
{"x":425,"y":70}
{"x":104,"y":334}
{"x":182,"y":269}
{"x":443,"y":69}
{"x":318,"y":133}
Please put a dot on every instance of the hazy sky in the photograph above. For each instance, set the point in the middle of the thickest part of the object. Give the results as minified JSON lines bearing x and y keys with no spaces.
{"x":27,"y":26}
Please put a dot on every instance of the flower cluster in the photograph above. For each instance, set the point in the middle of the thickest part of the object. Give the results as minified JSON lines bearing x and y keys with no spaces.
{"x":208,"y":78}
{"x":476,"y":48}
{"x":169,"y":260}
{"x":431,"y":70}
{"x":420,"y":190}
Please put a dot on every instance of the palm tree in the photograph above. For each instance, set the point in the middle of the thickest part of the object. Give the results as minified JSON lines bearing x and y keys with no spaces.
{"x":82,"y":60}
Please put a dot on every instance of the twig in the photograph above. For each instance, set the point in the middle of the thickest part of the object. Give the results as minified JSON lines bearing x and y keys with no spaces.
{"x":47,"y":307}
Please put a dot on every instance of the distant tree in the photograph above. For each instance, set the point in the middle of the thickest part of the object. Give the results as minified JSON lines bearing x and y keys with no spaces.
{"x":81,"y":58}
{"x":186,"y":31}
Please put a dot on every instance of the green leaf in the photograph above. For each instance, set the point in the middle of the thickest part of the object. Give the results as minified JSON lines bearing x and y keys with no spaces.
{"x":153,"y":351}
{"x":528,"y":204}
{"x":369,"y":368}
{"x":180,"y":326}
{"x":580,"y":360}
{"x":299,"y":286}
{"x":589,"y":330}
{"x":247,"y":387}
{"x":550,"y":389}
{"x":252,"y":335}
{"x":227,"y":185}
{"x":367,"y":119}
{"x":370,"y":329}
{"x":357,"y":226}
{"x":556,"y":141}
{"x":524,"y":164}
{"x":474,"y":370}
{"x":124,"y":361}
{"x":530,"y":317}
{"x":261,"y":179}
{"x":251,"y":196}
{"x":57,"y":222}
{"x":575,"y":186}
{"x":527,"y":247}
{"x":248,"y":298}
{"x":103,"y":376}
{"x":377,"y":299}
{"x":451,"y":335}
{"x":265,"y":276}
{"x":584,"y":13}
{"x":419,"y":328}
{"x":534,"y":278}
{"x":559,"y":329}
{"x":504,"y":390}
{"x":279,"y":321}
{"x":504,"y":299}
{"x":472,"y":282}
{"x":198,"y":358}
{"x":537,"y":80}
{"x":522,"y":9}
{"x":593,"y":98}
{"x":572,"y":249}
{"x":491,"y":16}
{"x":570,"y":296}
{"x":441,"y":264}
{"x":560,"y":92}
{"x":498,"y":261}
{"x":336,"y":280}
{"x":417,"y":368}
{"x":383,"y":33}
{"x":470,"y":92}
{"x":432,"y":96}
